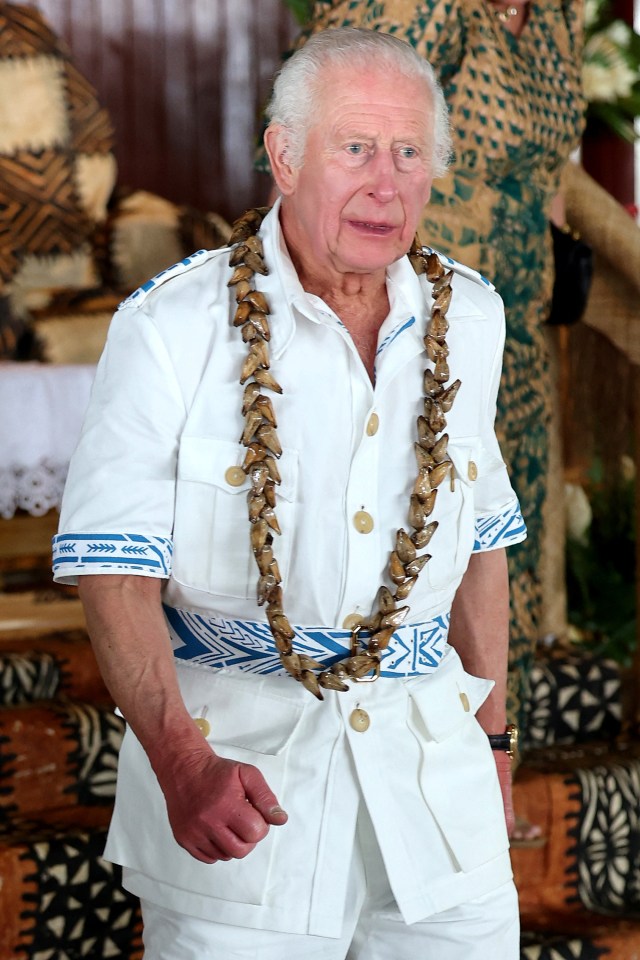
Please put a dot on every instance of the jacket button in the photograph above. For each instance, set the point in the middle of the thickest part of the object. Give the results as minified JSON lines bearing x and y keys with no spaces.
{"x":372,"y":425}
{"x":472,"y":471}
{"x":363,"y":521}
{"x":203,"y":726}
{"x":359,"y":720}
{"x":464,"y":700}
{"x":235,"y":476}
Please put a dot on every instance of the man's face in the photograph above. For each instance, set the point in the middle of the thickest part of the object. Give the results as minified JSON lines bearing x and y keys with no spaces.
{"x":356,"y":202}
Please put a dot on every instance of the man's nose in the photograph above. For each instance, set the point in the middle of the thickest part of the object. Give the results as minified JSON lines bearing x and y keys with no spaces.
{"x":383,"y":184}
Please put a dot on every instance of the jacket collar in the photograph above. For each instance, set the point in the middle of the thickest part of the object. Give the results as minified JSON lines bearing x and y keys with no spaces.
{"x":401,"y":334}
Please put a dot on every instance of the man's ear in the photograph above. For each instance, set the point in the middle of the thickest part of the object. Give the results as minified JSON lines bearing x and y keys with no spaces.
{"x":276,"y":142}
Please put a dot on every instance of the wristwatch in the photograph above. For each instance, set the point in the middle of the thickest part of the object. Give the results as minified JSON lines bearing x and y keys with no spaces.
{"x":507,"y":741}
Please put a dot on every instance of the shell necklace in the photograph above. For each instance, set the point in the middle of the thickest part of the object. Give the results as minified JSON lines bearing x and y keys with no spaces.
{"x":263,"y":449}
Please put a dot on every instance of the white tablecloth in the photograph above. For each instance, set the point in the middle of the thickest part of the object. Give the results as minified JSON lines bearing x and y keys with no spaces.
{"x":42,"y":407}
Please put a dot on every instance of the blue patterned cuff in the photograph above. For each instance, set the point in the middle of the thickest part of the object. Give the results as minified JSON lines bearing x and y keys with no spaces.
{"x":501,"y":530}
{"x":81,"y":553}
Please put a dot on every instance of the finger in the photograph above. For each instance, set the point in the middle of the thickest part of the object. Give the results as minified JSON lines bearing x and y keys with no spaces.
{"x":226,"y":846}
{"x":217,"y":841}
{"x":276,"y":816}
{"x":247,"y":823}
{"x":228,"y":841}
{"x":212,"y":854}
{"x":261,"y":797}
{"x":204,"y":850}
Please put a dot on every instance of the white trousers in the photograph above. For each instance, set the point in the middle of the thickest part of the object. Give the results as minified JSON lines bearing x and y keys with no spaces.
{"x":373,"y":927}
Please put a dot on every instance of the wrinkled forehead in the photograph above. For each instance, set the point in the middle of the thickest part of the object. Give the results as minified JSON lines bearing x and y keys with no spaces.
{"x":367,"y":78}
{"x":357,"y":97}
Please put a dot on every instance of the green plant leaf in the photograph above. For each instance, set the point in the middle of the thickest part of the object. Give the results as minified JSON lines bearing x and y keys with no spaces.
{"x":301,"y":9}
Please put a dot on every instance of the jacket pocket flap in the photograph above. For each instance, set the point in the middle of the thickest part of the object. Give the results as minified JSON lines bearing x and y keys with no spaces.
{"x":208,"y":460}
{"x":240,"y":711}
{"x":445,"y":703}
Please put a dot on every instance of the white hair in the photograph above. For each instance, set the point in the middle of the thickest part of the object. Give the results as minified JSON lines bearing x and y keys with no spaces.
{"x":295,"y":90}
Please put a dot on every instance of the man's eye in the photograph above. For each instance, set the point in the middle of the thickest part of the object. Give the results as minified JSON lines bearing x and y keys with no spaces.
{"x":408,"y":153}
{"x":355,"y":149}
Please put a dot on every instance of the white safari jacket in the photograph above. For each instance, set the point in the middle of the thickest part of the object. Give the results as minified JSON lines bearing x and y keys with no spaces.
{"x":152,"y":492}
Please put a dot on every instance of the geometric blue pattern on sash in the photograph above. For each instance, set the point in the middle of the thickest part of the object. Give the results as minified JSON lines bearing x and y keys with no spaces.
{"x":501,"y":530}
{"x":78,"y":553}
{"x":216,"y":642}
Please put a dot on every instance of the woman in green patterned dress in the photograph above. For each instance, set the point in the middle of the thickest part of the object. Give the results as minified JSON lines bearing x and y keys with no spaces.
{"x":511,"y":76}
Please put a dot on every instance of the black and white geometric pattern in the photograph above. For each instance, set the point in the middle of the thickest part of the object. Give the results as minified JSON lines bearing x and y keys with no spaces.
{"x":28,"y":677}
{"x":535,"y":946}
{"x":607,"y":852}
{"x":98,"y":734}
{"x":77,"y":908}
{"x":572,"y":700}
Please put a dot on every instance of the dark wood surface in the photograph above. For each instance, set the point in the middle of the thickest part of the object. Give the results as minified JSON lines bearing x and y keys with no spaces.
{"x":184,"y":81}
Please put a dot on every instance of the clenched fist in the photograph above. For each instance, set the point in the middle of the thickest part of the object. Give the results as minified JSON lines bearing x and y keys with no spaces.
{"x":218,"y":809}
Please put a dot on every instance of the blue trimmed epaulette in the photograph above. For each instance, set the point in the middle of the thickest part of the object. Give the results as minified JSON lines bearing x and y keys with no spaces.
{"x":461,"y":268}
{"x":194,"y":259}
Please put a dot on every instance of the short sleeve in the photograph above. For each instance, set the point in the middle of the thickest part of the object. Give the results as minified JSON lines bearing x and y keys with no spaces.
{"x":498,"y":518}
{"x":118,"y":504}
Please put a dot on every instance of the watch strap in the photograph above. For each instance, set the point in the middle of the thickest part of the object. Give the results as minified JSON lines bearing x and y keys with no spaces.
{"x":507,"y":741}
{"x":500,"y":741}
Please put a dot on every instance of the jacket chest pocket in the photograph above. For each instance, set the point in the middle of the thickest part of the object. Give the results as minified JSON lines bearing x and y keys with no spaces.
{"x":212,"y":548}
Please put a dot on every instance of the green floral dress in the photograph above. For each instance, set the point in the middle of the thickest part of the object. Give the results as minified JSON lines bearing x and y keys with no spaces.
{"x":517,"y":113}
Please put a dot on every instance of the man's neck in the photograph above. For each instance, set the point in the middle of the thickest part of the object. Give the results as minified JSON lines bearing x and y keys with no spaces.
{"x":359,"y":300}
{"x":362,"y":308}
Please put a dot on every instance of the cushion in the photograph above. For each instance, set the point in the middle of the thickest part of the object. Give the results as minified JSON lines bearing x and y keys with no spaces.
{"x":58,"y":665}
{"x":146,"y":234}
{"x":143,"y":235}
{"x":586,"y":802}
{"x":57,"y":170}
{"x":573,"y":699}
{"x":73,"y":327}
{"x":606,"y":940}
{"x":55,"y":755}
{"x":60,"y":899}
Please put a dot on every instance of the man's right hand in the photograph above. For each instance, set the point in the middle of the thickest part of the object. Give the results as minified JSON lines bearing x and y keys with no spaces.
{"x":218,"y":809}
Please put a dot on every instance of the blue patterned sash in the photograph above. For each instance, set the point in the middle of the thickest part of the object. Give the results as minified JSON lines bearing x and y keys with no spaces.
{"x":215,"y":642}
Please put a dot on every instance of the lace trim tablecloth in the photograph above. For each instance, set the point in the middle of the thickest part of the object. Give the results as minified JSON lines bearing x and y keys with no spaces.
{"x":42,"y":407}
{"x":36,"y":489}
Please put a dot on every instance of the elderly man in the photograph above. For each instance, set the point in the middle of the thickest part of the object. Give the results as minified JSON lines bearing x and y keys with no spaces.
{"x":263,"y":611}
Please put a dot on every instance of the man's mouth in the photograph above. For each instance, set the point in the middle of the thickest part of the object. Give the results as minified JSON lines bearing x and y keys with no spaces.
{"x":377,"y":229}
